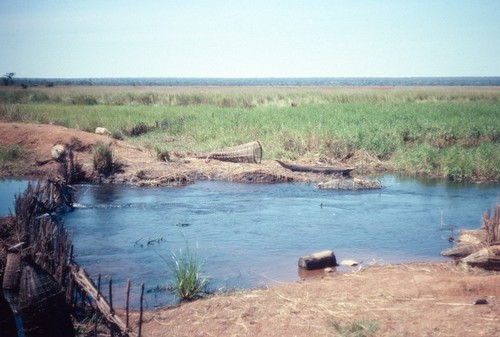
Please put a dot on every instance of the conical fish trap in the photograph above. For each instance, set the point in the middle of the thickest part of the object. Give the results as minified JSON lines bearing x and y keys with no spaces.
{"x":13,"y":270}
{"x":42,"y":305}
{"x":244,"y":153}
{"x":11,"y":279}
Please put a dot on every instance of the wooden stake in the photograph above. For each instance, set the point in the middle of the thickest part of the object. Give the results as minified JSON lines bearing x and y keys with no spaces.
{"x":112,"y":311}
{"x":126,"y":305}
{"x":71,"y":254}
{"x":95,"y":322}
{"x":84,"y":281}
{"x":140,"y":310}
{"x":98,"y":287}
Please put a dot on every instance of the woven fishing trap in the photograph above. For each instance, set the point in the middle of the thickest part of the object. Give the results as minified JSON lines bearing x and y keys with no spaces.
{"x":244,"y":153}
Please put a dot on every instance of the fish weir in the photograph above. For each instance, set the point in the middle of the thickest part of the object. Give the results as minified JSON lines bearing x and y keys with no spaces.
{"x":41,"y":282}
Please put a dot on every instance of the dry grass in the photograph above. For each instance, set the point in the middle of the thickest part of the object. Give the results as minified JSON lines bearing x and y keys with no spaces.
{"x":403,"y":300}
{"x":491,"y":223}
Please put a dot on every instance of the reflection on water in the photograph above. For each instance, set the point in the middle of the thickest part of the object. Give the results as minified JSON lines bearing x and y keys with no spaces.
{"x":252,"y":235}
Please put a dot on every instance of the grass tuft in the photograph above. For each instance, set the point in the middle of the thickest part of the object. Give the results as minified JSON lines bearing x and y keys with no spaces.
{"x":185,"y":267}
{"x":491,"y":223}
{"x":12,"y":160}
{"x":355,"y":329}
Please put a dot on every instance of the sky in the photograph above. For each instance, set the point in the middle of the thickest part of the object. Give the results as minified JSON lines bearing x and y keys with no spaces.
{"x":256,"y":38}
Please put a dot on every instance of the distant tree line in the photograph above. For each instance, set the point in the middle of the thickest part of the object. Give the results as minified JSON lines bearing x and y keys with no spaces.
{"x":7,"y":79}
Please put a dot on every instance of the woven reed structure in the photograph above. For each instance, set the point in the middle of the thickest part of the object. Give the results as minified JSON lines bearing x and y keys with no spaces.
{"x":42,"y":304}
{"x":38,"y":277}
{"x":244,"y":153}
{"x":38,"y":250}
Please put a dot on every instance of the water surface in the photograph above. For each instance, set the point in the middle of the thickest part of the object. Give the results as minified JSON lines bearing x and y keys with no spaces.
{"x":249,"y":235}
{"x":9,"y":188}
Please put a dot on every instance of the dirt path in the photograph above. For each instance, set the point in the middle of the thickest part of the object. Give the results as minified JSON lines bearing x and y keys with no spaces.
{"x":402,"y":300}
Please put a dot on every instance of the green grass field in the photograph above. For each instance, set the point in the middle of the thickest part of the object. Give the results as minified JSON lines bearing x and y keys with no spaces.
{"x":451,"y":132}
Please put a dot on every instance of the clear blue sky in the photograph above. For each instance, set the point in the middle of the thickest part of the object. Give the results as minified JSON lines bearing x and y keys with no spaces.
{"x":256,"y":38}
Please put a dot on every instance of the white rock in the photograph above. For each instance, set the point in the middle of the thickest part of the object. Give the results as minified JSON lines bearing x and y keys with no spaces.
{"x":102,"y":131}
{"x":58,"y":151}
{"x":350,"y":263}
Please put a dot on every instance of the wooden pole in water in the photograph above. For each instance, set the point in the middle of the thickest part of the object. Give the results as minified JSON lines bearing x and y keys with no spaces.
{"x":95,"y":323}
{"x":112,"y":310}
{"x":140,"y":310}
{"x":128,"y":297}
{"x":98,"y":287}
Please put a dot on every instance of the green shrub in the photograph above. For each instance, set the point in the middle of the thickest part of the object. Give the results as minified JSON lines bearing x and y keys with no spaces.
{"x":117,"y":134}
{"x":102,"y":157}
{"x":138,"y":130}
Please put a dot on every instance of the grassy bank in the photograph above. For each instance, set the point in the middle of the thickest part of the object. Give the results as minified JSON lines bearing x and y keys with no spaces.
{"x":451,"y":132}
{"x":12,"y":160}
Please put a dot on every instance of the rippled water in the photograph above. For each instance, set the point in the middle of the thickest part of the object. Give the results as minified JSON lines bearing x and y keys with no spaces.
{"x":249,"y":235}
{"x":252,"y":235}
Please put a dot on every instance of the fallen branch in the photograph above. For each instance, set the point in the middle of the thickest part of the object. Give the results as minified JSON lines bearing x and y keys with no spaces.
{"x":86,"y":283}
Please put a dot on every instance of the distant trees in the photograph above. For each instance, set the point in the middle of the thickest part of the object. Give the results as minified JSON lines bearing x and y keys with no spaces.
{"x":8,"y":78}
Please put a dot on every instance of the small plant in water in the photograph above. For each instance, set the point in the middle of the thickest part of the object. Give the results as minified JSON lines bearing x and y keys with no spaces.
{"x":185,"y":267}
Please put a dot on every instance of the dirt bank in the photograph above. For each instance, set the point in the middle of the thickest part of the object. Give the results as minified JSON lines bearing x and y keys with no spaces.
{"x":139,"y":166}
{"x":401,"y":300}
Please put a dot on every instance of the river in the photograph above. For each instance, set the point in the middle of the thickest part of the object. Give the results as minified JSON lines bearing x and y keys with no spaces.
{"x":251,"y":235}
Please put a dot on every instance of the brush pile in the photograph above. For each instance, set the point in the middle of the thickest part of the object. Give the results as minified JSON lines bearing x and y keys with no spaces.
{"x":480,"y":248}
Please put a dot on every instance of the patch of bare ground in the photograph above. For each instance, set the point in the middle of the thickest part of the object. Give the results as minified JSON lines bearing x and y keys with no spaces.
{"x":422,"y":299}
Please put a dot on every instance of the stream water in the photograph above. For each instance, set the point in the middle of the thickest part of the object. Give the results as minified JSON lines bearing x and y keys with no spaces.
{"x":250,"y":235}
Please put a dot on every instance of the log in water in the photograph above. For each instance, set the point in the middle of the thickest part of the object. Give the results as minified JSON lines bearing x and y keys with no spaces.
{"x":318,"y":260}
